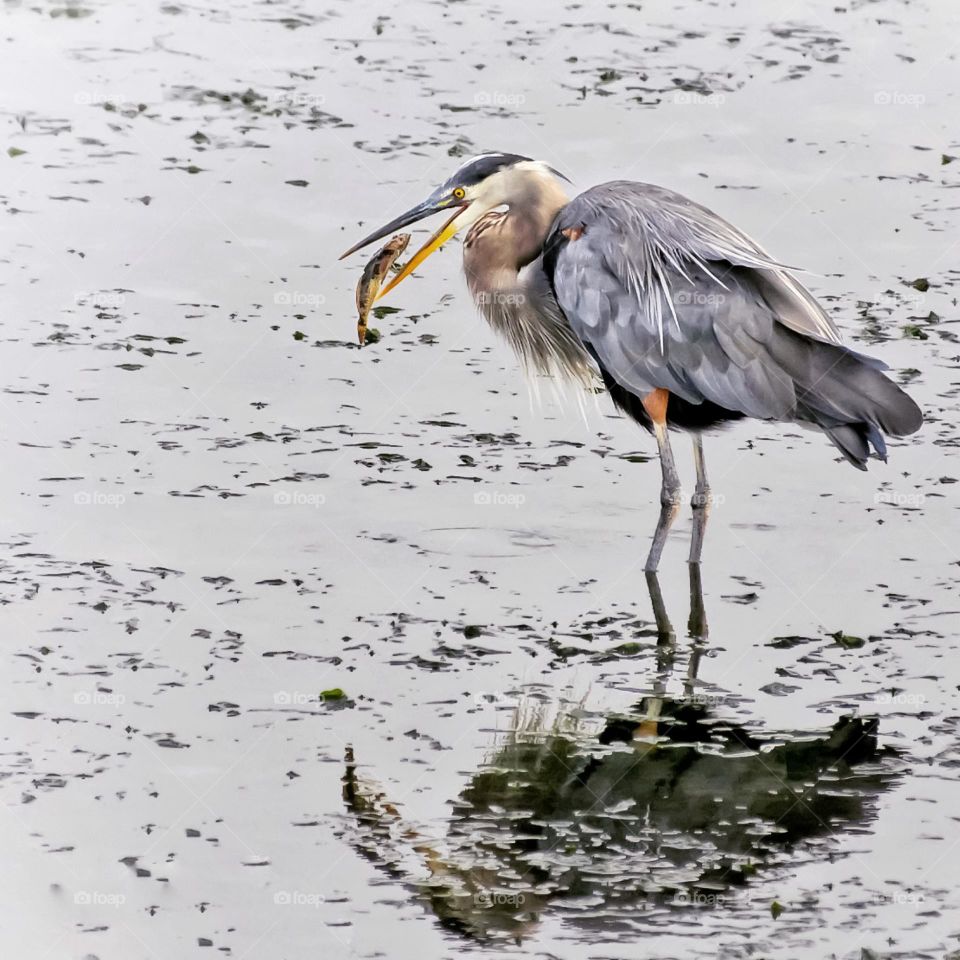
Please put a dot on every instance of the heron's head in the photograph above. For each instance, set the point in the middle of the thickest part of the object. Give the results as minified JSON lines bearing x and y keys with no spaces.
{"x":478,"y":186}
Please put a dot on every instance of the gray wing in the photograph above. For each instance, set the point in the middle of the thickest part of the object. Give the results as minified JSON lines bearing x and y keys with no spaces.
{"x":669,"y":295}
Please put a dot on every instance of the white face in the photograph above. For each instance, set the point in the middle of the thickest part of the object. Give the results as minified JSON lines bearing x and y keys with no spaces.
{"x":499,"y":190}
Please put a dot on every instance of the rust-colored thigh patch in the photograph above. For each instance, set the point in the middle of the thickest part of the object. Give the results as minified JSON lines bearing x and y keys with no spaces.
{"x":655,"y":404}
{"x":573,"y":233}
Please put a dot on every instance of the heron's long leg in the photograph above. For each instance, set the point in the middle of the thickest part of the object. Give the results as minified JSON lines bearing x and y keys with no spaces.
{"x":700,"y":501}
{"x":670,"y":493}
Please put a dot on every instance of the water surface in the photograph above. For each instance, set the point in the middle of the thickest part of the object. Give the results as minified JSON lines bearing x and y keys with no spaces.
{"x":217,"y":508}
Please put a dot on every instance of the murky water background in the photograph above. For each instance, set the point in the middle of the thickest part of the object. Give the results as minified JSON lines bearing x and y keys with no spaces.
{"x":217,"y":508}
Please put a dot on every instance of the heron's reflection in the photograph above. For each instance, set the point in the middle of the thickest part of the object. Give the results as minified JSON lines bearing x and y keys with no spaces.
{"x":665,"y":807}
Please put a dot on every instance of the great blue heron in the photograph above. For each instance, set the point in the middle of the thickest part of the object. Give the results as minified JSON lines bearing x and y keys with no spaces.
{"x":688,"y":321}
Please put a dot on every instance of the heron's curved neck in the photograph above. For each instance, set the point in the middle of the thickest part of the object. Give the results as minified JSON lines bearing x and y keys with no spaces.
{"x":522,"y":308}
{"x":500,"y":244}
{"x":533,"y":221}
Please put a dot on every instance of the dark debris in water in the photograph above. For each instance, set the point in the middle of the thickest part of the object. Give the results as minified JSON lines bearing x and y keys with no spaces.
{"x":258,"y":560}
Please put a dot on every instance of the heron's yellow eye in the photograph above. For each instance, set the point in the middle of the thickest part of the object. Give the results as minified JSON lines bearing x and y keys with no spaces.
{"x":459,"y":193}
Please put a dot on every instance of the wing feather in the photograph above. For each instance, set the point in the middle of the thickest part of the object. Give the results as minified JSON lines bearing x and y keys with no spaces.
{"x":657,"y":232}
{"x":670,"y":296}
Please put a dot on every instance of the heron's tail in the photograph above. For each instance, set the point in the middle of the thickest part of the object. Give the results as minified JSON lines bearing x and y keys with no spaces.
{"x":845,"y":394}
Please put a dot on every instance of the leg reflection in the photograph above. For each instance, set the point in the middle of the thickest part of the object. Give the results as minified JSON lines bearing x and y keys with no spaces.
{"x":696,"y":626}
{"x":697,"y":631}
{"x":700,"y":501}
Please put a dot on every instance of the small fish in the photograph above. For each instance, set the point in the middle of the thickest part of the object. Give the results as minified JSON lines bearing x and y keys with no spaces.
{"x":373,"y":276}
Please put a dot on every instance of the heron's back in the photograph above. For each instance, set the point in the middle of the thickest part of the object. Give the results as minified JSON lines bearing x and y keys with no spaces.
{"x":671,"y":297}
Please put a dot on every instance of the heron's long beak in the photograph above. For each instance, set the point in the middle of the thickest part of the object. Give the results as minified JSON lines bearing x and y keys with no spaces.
{"x":419,"y":212}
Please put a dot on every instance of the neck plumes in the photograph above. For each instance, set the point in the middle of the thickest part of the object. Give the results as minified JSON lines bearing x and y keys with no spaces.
{"x":506,"y":279}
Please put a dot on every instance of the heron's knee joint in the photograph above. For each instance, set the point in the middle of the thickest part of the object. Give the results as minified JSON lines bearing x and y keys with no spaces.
{"x":671,"y":497}
{"x":701,"y":499}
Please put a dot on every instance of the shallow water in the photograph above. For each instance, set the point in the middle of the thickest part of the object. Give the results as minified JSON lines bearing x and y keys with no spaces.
{"x":217,"y":507}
